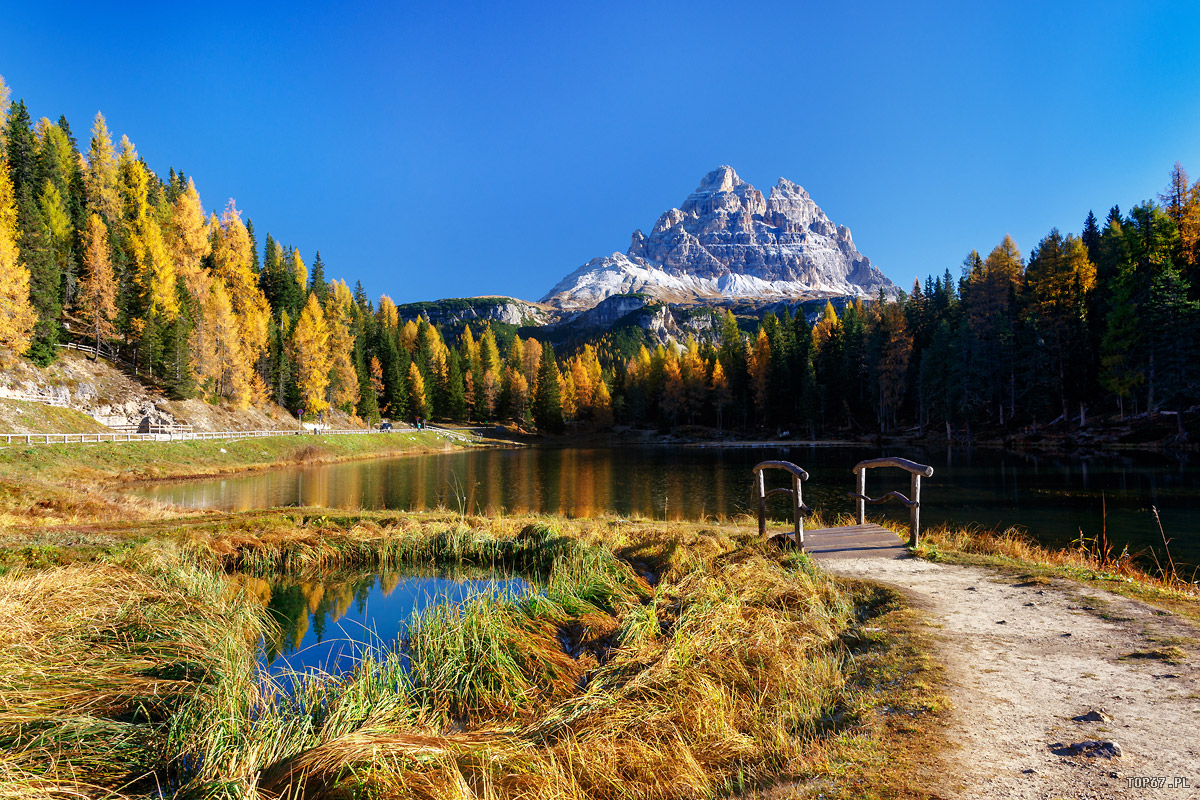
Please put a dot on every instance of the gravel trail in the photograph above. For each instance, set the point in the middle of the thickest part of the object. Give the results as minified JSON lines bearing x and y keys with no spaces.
{"x":1026,"y":658}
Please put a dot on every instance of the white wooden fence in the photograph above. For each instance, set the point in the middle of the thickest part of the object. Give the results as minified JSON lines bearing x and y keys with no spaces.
{"x":168,"y":436}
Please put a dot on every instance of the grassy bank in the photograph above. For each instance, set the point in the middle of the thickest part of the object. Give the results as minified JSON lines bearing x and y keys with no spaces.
{"x":1090,"y":562}
{"x":78,"y":483}
{"x":739,"y":668}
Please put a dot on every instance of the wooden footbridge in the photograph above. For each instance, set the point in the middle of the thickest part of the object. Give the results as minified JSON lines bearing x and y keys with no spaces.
{"x":863,"y":540}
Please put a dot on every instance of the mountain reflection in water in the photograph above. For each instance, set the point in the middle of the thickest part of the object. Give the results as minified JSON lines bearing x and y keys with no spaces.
{"x":326,"y":624}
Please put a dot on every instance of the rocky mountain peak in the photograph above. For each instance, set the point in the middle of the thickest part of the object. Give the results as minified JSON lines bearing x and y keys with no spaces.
{"x":727,"y":241}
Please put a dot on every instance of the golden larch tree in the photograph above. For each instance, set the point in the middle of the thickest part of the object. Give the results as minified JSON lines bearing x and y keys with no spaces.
{"x":310,"y":354}
{"x":299,"y":270}
{"x":97,"y":301}
{"x":388,"y":315}
{"x":190,"y":240}
{"x":101,"y":177}
{"x":343,"y":380}
{"x":233,"y":265}
{"x":416,"y":392}
{"x":17,"y":315}
{"x":220,"y":368}
{"x":759,"y":367}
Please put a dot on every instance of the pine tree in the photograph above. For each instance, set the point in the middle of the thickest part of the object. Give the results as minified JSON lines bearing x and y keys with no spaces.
{"x":316,"y":279}
{"x":547,"y":408}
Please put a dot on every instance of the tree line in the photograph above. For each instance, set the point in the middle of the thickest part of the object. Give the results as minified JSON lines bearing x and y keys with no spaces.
{"x":94,"y":246}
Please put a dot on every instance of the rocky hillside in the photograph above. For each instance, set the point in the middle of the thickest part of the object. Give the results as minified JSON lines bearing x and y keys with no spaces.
{"x":112,"y":399}
{"x":729,"y":242}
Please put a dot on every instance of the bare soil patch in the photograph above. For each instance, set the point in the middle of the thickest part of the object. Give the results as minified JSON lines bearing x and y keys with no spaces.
{"x":1044,"y":673}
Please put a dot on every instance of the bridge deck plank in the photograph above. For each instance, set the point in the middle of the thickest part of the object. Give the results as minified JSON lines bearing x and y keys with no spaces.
{"x":854,"y":541}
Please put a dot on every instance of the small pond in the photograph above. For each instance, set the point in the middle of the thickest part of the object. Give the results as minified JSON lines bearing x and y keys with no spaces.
{"x":326,"y":625}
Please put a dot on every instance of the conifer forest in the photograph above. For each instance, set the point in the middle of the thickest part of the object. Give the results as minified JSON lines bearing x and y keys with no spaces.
{"x":98,"y":249}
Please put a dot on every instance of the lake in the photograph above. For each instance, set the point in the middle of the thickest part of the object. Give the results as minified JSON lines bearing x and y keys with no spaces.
{"x":1054,"y":497}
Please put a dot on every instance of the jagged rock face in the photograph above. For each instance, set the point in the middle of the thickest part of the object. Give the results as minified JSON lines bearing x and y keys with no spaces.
{"x":728,"y":241}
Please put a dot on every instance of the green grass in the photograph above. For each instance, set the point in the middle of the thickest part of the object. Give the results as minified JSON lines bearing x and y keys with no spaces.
{"x":19,"y":416}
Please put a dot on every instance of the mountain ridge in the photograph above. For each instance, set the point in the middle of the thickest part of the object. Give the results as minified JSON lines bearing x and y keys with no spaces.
{"x":728,"y":241}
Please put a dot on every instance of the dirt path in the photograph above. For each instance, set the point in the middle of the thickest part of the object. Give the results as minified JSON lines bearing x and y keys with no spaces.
{"x":1026,"y":658}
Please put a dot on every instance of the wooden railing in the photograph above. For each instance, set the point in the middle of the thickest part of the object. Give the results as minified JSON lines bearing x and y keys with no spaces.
{"x":166,"y":436}
{"x":917,"y":471}
{"x":37,"y":397}
{"x":798,"y":507}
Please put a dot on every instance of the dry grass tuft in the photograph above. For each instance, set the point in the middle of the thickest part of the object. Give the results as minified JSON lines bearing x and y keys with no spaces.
{"x":1088,"y":561}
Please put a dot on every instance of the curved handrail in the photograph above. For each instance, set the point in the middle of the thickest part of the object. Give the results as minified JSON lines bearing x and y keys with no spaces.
{"x":861,"y":499}
{"x":786,"y":465}
{"x":761,"y":494}
{"x":902,"y":463}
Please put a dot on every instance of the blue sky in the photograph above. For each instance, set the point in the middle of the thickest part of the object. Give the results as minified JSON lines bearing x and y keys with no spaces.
{"x":488,"y":148}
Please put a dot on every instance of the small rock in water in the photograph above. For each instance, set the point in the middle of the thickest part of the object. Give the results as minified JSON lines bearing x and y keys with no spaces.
{"x":1093,"y":716}
{"x":1092,"y":748}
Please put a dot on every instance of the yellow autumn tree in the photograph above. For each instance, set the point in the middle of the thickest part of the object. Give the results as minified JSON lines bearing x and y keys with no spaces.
{"x":388,"y":316}
{"x":722,"y":395}
{"x":310,"y":354}
{"x":568,"y":400}
{"x":489,"y":394}
{"x":17,"y":315}
{"x":97,"y":297}
{"x":153,"y":266}
{"x":417,"y":401}
{"x":299,"y":270}
{"x":759,"y":367}
{"x":825,"y":327}
{"x":343,"y":380}
{"x":408,"y":336}
{"x":101,"y":177}
{"x":190,"y":240}
{"x":233,"y":265}
{"x":602,"y":410}
{"x":531,"y":359}
{"x":219,"y":368}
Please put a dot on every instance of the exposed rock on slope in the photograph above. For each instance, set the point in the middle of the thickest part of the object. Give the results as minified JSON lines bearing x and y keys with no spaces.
{"x":728,"y":241}
{"x":454,"y":311}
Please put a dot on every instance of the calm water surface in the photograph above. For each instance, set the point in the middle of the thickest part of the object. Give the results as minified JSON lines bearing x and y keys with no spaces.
{"x":1054,"y":497}
{"x":326,"y":625}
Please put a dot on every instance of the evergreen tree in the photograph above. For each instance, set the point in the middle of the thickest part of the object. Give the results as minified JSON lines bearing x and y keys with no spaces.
{"x":547,"y":407}
{"x":316,"y":279}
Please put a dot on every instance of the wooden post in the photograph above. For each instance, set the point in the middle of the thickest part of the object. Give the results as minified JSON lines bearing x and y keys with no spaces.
{"x":915,"y":511}
{"x":860,"y":504}
{"x":796,"y":504}
{"x":762,"y":505}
